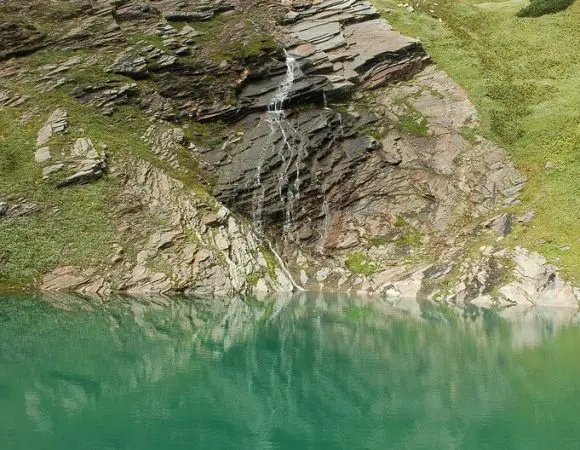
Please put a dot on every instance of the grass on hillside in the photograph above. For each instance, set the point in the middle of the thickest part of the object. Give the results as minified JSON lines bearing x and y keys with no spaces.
{"x":522,"y":75}
{"x":76,"y":224}
{"x":538,"y":8}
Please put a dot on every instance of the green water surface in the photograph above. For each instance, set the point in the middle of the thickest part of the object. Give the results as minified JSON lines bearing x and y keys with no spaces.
{"x":304,"y":372}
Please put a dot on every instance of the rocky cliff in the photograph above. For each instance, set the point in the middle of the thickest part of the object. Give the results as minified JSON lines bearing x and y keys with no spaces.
{"x":241,"y":147}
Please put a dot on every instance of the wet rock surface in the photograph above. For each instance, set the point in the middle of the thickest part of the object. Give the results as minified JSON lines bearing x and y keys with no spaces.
{"x":319,"y":174}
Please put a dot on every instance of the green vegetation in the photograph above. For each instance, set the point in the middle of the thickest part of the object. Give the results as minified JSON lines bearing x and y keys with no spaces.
{"x":253,"y":278}
{"x":411,"y":236}
{"x":360,"y":263}
{"x":413,"y":122}
{"x":76,"y":225}
{"x":522,"y":75}
{"x":253,"y":46}
{"x":538,"y":8}
{"x":270,"y":262}
{"x":232,"y":36}
{"x":377,"y":241}
{"x":470,"y":134}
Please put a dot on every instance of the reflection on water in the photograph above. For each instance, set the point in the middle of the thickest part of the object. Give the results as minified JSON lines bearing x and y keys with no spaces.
{"x":287,"y":372}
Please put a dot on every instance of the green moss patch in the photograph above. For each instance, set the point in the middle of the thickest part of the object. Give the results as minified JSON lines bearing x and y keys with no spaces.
{"x":360,"y":263}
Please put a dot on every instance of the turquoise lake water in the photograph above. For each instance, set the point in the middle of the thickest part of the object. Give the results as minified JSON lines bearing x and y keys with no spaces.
{"x":306,"y":372}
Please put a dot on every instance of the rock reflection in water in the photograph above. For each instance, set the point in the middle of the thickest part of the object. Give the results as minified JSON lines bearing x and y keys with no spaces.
{"x":321,"y":371}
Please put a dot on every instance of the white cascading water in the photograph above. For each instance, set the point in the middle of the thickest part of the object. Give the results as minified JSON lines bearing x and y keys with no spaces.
{"x":325,"y":227}
{"x":281,"y":95}
{"x":286,"y":152}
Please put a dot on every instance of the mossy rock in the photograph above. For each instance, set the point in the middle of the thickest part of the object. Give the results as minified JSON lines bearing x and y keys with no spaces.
{"x":360,"y":263}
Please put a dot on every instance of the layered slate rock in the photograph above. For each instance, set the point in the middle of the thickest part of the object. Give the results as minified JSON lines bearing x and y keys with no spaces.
{"x":350,"y":43}
{"x":18,"y":39}
{"x":316,"y":174}
{"x":338,"y":45}
{"x":287,"y":171}
{"x":15,"y":206}
{"x":87,"y":163}
{"x":165,"y":142}
{"x":81,"y":165}
{"x":107,"y":96}
{"x":56,"y":123}
{"x":281,"y":171}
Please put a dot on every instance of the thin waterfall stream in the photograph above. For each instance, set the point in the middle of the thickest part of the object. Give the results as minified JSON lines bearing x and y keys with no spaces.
{"x":276,"y":119}
{"x":281,"y":132}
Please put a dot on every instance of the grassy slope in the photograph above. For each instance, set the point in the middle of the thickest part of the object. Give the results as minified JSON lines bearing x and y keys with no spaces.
{"x":522,"y":74}
{"x":76,"y":225}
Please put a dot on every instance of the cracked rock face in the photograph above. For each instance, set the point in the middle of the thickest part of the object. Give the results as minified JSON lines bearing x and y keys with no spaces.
{"x":284,"y":171}
{"x":19,"y":40}
{"x":317,"y":173}
{"x":56,"y":123}
{"x":351,"y":45}
{"x":165,"y":142}
{"x":197,"y":248}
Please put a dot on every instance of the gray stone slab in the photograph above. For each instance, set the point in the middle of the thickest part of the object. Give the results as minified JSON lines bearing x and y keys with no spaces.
{"x":42,"y":155}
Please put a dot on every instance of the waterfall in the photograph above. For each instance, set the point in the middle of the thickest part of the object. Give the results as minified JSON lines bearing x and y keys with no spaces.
{"x":281,"y":95}
{"x":288,"y":190}
{"x":340,"y":125}
{"x":325,"y":226}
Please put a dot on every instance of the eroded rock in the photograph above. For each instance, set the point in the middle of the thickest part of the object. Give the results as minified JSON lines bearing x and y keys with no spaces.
{"x":131,"y":65}
{"x":165,"y":142}
{"x":19,"y":39}
{"x":57,"y":123}
{"x":87,"y":163}
{"x":16,"y":207}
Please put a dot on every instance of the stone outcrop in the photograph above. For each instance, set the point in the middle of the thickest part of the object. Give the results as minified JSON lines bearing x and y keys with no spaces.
{"x":18,"y":39}
{"x":57,"y":123}
{"x":198,"y":246}
{"x":86,"y":162}
{"x":350,"y":42}
{"x":107,"y":96}
{"x":165,"y":142}
{"x":281,"y":173}
{"x":312,"y":147}
{"x":81,"y":165}
{"x":292,"y":171}
{"x":16,"y":206}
